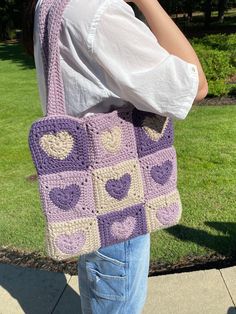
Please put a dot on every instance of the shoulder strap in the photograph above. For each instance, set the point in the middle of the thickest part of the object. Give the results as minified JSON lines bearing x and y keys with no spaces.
{"x":50,"y":15}
{"x":43,"y":20}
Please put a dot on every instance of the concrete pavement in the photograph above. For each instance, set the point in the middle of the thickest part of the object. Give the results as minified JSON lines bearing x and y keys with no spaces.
{"x":34,"y":291}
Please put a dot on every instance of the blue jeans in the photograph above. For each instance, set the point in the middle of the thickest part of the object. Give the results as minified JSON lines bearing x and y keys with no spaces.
{"x":114,"y":279}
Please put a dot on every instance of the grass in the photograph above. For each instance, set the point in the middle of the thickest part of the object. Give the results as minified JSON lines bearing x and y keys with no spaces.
{"x":206,"y":150}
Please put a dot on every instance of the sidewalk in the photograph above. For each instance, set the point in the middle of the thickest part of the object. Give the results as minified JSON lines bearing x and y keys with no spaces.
{"x":33,"y":291}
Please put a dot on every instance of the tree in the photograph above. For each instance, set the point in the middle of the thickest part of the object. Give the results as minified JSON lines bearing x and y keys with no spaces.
{"x":207,"y":12}
{"x":5,"y":19}
{"x":10,"y":17}
{"x":189,"y":9}
{"x":222,"y":5}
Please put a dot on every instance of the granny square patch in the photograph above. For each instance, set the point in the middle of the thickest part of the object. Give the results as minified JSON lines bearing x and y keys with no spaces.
{"x":159,"y":172}
{"x":111,"y":138}
{"x":120,"y":225}
{"x":153,"y":132}
{"x":59,"y":145}
{"x":117,"y":186}
{"x":163,"y":211}
{"x":73,"y":237}
{"x":67,"y":195}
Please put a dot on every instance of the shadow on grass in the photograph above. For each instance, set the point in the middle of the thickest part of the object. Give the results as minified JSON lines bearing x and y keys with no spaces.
{"x":223,"y":244}
{"x":15,"y":52}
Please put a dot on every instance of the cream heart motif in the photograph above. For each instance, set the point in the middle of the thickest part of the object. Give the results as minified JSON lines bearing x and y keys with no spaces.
{"x":154,"y":126}
{"x":57,"y":146}
{"x":111,"y":139}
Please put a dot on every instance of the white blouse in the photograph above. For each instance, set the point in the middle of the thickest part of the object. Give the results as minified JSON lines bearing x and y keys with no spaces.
{"x":109,"y":57}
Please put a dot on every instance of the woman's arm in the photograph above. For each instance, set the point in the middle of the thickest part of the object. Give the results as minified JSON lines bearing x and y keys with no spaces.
{"x":171,"y":38}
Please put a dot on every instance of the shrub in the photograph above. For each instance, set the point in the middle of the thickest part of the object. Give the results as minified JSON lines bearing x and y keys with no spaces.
{"x":218,"y":88}
{"x":217,"y":41}
{"x":218,"y":61}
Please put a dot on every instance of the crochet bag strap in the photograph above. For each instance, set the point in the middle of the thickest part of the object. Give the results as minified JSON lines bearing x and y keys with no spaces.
{"x":50,"y":14}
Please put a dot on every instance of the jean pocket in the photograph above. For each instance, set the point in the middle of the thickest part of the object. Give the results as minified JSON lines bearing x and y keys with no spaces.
{"x":110,"y":285}
{"x":103,"y":256}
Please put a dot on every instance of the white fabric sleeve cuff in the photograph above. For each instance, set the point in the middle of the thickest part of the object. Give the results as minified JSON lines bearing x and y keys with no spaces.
{"x":186,"y":102}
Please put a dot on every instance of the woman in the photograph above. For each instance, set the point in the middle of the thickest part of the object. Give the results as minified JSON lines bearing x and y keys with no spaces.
{"x":109,"y":57}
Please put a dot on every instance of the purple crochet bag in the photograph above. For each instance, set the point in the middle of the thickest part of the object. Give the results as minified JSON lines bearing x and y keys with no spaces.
{"x":103,"y":178}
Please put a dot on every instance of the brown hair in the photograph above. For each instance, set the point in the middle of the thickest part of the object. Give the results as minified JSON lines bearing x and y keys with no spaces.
{"x":28,"y":26}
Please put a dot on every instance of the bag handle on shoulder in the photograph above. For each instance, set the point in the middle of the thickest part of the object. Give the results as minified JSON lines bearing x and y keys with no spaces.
{"x":50,"y":14}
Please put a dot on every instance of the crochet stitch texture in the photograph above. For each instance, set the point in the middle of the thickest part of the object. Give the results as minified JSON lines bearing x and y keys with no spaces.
{"x":104,"y":178}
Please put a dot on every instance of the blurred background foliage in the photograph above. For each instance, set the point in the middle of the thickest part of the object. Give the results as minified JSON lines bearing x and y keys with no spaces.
{"x":208,"y":24}
{"x":11,"y":17}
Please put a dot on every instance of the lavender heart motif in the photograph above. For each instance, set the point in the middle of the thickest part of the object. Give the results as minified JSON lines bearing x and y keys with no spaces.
{"x":124,"y":229}
{"x":119,"y":188}
{"x":168,"y":215}
{"x":70,"y":243}
{"x":162,"y":173}
{"x":65,"y":198}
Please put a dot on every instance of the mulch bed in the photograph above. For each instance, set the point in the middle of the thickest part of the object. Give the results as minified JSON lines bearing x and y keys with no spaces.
{"x":38,"y":261}
{"x":217,"y":101}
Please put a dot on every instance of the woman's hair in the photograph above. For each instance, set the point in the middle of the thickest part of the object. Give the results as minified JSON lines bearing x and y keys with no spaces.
{"x":28,"y":27}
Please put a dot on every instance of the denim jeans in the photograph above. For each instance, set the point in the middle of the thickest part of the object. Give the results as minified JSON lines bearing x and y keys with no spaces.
{"x":114,"y":279}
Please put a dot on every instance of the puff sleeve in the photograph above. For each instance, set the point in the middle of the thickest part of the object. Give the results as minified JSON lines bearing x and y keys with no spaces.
{"x":137,"y":68}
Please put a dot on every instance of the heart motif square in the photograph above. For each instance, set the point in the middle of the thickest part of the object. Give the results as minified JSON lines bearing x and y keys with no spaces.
{"x":154,"y":126}
{"x":162,"y":173}
{"x":123,"y":229}
{"x":119,"y":189}
{"x":65,"y":198}
{"x":57,"y":146}
{"x":70,"y":243}
{"x":168,"y":215}
{"x":111,"y":140}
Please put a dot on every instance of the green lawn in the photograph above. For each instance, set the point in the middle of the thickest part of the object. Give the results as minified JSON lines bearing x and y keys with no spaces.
{"x":206,"y":149}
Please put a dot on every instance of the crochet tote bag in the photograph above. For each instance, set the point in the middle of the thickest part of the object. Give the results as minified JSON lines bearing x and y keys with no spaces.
{"x":103,"y":178}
